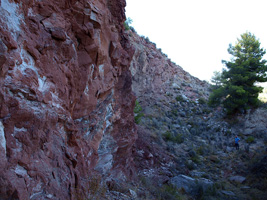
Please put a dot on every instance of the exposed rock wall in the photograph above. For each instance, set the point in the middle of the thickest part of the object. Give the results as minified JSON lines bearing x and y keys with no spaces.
{"x":66,"y":105}
{"x":170,"y":98}
{"x":156,"y":78}
{"x":255,"y":122}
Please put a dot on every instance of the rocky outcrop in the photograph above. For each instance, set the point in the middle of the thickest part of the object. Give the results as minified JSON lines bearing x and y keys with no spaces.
{"x":156,"y":77}
{"x":170,"y":98}
{"x":66,"y":105}
{"x":185,"y":149}
{"x":191,"y":185}
{"x":161,"y":86}
{"x":255,"y":122}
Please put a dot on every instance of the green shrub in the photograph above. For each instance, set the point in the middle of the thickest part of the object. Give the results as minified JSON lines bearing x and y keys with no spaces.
{"x":147,"y":40}
{"x":211,"y":191}
{"x":138,"y":114}
{"x":189,"y":165}
{"x":127,"y":24}
{"x":179,"y":98}
{"x":154,"y":191}
{"x":217,"y":129}
{"x":195,"y":159}
{"x":200,"y":150}
{"x":206,"y":110}
{"x":179,"y":138}
{"x":175,"y":112}
{"x":228,"y":132}
{"x":132,"y":29}
{"x":169,"y":192}
{"x":250,"y":139}
{"x":169,"y":137}
{"x":194,"y":110}
{"x":202,"y":101}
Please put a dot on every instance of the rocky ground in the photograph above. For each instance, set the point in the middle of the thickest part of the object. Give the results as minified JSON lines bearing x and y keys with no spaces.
{"x":69,"y":77}
{"x":186,"y":152}
{"x":199,"y":156}
{"x":185,"y":149}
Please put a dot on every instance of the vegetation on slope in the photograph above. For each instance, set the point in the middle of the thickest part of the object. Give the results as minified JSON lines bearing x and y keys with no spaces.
{"x":236,"y":86}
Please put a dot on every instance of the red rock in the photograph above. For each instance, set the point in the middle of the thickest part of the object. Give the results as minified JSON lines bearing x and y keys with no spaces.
{"x":59,"y":34}
{"x":2,"y":53}
{"x":66,"y":104}
{"x":2,"y":59}
{"x":8,"y":40}
{"x":155,"y":76}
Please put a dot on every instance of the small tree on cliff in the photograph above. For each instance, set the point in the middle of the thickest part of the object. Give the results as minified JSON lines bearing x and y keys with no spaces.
{"x":216,"y":80}
{"x":127,"y":24}
{"x":247,"y":67}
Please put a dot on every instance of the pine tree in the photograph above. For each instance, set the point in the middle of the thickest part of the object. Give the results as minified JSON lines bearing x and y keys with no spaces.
{"x":247,"y":67}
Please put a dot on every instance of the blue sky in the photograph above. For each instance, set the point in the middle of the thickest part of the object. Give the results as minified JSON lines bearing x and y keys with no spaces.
{"x":195,"y":34}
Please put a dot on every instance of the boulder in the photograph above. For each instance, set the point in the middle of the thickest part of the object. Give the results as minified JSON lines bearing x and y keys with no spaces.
{"x":184,"y":182}
{"x":191,"y":185}
{"x":255,"y":122}
{"x":205,"y":183}
{"x":238,"y":179}
{"x":228,"y":193}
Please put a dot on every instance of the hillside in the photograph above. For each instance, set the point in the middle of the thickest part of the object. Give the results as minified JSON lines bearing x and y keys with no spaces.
{"x":89,"y":110}
{"x":186,"y":144}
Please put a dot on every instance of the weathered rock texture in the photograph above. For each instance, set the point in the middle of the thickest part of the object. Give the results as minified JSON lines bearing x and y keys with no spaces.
{"x":255,"y":122}
{"x":156,"y":78}
{"x":166,"y":92}
{"x":170,"y":98}
{"x":66,"y":106}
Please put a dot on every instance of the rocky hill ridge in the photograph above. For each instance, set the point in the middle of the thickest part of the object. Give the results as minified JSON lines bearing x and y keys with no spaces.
{"x":182,"y":141}
{"x":156,"y":75}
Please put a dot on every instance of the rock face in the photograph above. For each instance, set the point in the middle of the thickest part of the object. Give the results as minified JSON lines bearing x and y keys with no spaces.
{"x":156,"y":77}
{"x":191,"y":185}
{"x":255,"y":122}
{"x":66,"y":105}
{"x":163,"y":88}
{"x":238,"y":179}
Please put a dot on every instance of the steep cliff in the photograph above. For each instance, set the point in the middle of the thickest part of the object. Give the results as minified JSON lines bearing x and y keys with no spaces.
{"x":163,"y":87}
{"x":66,"y":105}
{"x":156,"y":77}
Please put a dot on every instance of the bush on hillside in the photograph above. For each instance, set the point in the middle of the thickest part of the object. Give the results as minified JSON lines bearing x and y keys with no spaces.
{"x":138,"y":114}
{"x":250,"y":139}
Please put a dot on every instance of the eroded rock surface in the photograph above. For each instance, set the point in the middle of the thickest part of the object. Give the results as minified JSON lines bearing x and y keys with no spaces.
{"x":255,"y":122}
{"x":156,"y":78}
{"x":66,"y":105}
